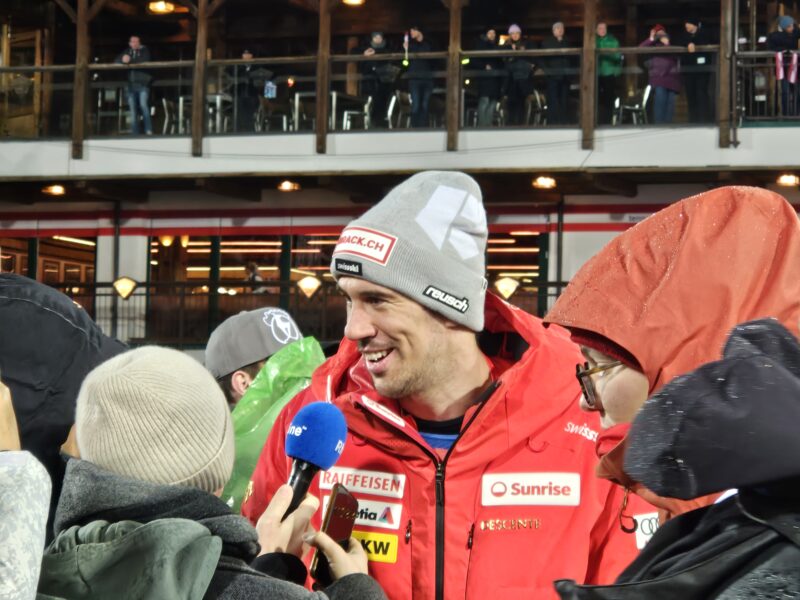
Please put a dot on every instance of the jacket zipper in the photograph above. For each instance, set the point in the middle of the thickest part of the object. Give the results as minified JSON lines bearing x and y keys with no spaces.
{"x":439,"y":489}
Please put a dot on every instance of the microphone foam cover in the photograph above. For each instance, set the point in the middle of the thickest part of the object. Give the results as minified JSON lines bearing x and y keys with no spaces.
{"x":317,"y":435}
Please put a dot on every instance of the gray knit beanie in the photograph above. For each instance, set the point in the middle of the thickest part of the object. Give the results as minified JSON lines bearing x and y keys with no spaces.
{"x":156,"y":415}
{"x":427,"y":240}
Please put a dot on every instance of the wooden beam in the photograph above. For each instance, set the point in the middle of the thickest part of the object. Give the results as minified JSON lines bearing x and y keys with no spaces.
{"x":230,"y":188}
{"x":613,"y":184}
{"x":323,"y":74}
{"x":631,"y":40}
{"x":67,"y":9}
{"x":452,"y":107}
{"x":96,"y":8}
{"x":588,"y":74}
{"x":724,"y":104}
{"x":310,"y":5}
{"x":199,"y":81}
{"x":215,"y":6}
{"x":80,"y":89}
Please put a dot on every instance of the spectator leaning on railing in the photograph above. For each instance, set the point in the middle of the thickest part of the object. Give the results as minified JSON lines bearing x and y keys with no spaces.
{"x":696,"y":70}
{"x":609,"y":68}
{"x":518,"y":82}
{"x":784,"y":43}
{"x":663,"y":76}
{"x":138,"y":84}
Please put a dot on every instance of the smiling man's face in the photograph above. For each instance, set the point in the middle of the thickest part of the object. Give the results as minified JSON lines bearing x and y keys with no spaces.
{"x":404,"y":345}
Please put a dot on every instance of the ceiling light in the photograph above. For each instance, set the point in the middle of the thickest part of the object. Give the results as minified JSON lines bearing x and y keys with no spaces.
{"x":124,"y":286}
{"x":544,"y":183}
{"x":501,"y":241}
{"x":788,"y":180}
{"x":506,"y":286}
{"x":288,"y":186}
{"x":353,"y":2}
{"x":54,"y":190}
{"x":309,"y":285}
{"x":72,"y":240}
{"x":160,"y":7}
{"x":184,"y":241}
{"x":166,"y":240}
{"x":513,"y":250}
{"x":523,"y":233}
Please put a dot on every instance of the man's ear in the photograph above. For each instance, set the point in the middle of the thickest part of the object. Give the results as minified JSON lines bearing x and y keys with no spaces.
{"x":240,"y":381}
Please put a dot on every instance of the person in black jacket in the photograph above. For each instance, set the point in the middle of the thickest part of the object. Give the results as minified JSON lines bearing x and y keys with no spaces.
{"x":377,"y":79}
{"x":729,"y":425}
{"x":556,"y":68}
{"x":696,"y":71}
{"x":784,"y":41}
{"x":138,"y":84}
{"x":488,"y":78}
{"x":519,"y":70}
{"x":420,"y":77}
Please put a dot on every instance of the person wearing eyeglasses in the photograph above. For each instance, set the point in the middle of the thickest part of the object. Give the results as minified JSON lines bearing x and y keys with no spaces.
{"x":660,"y":299}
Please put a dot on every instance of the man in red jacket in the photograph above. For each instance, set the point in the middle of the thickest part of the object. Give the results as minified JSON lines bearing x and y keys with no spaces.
{"x":470,"y":457}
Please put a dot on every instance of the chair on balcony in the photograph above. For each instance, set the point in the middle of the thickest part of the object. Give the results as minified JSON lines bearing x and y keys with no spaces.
{"x":271,"y":109}
{"x":171,"y":125}
{"x":535,"y":109}
{"x":635,"y":106}
{"x":399,"y":112}
{"x":350,"y":115}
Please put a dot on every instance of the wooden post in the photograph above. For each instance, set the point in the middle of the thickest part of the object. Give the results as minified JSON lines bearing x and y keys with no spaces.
{"x":753,"y":23}
{"x":199,"y":80}
{"x":588,"y":74}
{"x":323,"y":75}
{"x":47,"y":78}
{"x":724,"y":99}
{"x":351,"y":85}
{"x":453,"y":105}
{"x":632,"y":60}
{"x":80,"y":90}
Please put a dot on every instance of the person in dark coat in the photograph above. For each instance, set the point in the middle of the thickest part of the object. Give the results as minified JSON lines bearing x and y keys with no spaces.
{"x":663,"y":76}
{"x":377,"y":79}
{"x":518,"y":83}
{"x":556,"y":70}
{"x":47,"y":346}
{"x":248,"y":84}
{"x":139,"y":82}
{"x":696,"y":71}
{"x":420,"y":77}
{"x":488,"y":78}
{"x":726,"y":427}
{"x":783,"y":42}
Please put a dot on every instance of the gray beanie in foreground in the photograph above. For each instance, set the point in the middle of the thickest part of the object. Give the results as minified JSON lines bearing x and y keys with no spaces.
{"x":156,"y":415}
{"x":427,"y":240}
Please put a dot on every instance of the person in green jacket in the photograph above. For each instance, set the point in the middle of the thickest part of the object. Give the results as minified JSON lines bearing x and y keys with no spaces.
{"x":609,"y":68}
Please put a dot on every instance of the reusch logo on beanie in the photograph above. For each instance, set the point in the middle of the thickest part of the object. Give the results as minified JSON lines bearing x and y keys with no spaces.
{"x":426,"y":239}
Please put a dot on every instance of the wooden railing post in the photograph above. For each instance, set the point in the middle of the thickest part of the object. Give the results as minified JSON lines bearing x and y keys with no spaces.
{"x":199,"y":80}
{"x":588,"y":100}
{"x":80,"y":91}
{"x":724,"y":100}
{"x":323,"y":75}
{"x":453,"y":105}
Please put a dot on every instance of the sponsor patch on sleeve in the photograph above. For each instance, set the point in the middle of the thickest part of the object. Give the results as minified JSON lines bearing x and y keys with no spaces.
{"x":370,"y":244}
{"x":380,"y":547}
{"x":348,"y":267}
{"x":531,"y":489}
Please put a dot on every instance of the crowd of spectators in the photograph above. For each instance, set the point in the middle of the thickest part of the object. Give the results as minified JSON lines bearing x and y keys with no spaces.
{"x":473,"y":428}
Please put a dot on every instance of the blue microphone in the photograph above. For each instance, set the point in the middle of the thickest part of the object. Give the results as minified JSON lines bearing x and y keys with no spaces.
{"x":315,"y":441}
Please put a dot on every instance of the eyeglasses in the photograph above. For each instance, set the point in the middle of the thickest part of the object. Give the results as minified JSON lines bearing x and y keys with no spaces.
{"x":584,"y":376}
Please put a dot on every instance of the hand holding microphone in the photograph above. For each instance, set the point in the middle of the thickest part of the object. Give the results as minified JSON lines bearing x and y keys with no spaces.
{"x":315,"y":440}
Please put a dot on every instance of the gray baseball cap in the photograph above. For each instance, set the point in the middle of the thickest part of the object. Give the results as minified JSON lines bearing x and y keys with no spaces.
{"x":247,"y":338}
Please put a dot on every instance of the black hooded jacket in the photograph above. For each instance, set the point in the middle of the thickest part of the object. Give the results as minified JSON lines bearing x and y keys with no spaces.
{"x":729,"y":424}
{"x":47,"y":346}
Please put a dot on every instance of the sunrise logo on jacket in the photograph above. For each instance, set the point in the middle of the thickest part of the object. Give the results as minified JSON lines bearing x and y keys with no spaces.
{"x":531,"y":489}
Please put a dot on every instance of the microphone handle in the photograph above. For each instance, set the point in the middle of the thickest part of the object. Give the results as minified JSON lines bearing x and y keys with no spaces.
{"x":300,"y":480}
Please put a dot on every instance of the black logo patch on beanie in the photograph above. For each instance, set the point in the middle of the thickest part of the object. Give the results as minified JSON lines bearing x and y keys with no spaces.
{"x":350,"y":267}
{"x":459,"y":304}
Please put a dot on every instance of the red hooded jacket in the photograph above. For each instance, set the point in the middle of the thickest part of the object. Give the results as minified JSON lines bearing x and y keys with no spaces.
{"x":667,"y":292}
{"x":514,"y":504}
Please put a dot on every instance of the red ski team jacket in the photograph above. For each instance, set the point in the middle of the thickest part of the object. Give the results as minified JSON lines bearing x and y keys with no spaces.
{"x":513,"y":505}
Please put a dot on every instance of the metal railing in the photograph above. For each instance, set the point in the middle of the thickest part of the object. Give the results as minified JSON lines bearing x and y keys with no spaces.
{"x":183,"y":314}
{"x":766,"y":90}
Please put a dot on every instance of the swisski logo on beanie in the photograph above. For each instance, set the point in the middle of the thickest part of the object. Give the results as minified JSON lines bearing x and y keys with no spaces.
{"x":459,"y":304}
{"x":373,"y":245}
{"x":348,"y":267}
